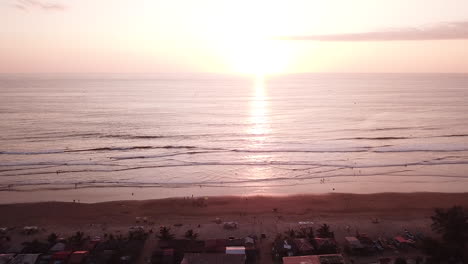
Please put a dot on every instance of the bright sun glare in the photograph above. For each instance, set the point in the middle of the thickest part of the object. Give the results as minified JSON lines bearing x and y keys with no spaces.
{"x":243,"y":36}
{"x":258,"y":56}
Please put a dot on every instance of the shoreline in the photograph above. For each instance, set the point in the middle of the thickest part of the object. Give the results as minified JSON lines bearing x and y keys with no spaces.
{"x":393,"y":205}
{"x":97,"y":194}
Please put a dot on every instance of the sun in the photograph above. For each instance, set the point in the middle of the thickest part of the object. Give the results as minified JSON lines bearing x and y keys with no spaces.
{"x":258,"y":56}
{"x":243,"y":36}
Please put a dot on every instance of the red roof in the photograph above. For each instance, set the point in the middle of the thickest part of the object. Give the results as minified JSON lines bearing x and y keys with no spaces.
{"x":78,"y":257}
{"x":80,"y":252}
{"x":91,"y":244}
{"x":215,"y":245}
{"x":301,"y":260}
{"x":303,"y":245}
{"x":324,"y":241}
{"x":61,"y":255}
{"x":402,"y":239}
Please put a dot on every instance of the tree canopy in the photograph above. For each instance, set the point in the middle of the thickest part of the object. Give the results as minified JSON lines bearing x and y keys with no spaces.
{"x":452,"y":225}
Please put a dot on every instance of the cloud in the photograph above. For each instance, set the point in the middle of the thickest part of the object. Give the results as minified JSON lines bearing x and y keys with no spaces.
{"x":45,"y":5}
{"x":442,"y":31}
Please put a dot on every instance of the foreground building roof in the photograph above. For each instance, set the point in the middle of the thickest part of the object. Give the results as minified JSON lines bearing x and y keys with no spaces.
{"x":212,"y":258}
{"x":315,"y":259}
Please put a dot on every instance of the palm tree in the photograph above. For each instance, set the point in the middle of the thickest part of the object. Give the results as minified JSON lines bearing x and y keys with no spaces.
{"x":451,"y":224}
{"x":165,"y":233}
{"x":307,"y":233}
{"x":34,"y":247}
{"x":77,"y":238}
{"x":52,"y":238}
{"x":324,"y":231}
{"x":191,"y":235}
{"x":291,"y":233}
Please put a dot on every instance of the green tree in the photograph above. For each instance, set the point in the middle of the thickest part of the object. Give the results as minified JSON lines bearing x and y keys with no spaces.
{"x":452,"y":225}
{"x":52,"y":238}
{"x":190,"y":234}
{"x":77,"y":238}
{"x":325,"y":232}
{"x":34,"y":247}
{"x":165,"y":233}
{"x":307,"y":232}
{"x":291,"y":233}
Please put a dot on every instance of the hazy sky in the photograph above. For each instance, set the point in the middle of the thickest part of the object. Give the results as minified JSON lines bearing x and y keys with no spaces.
{"x":233,"y":36}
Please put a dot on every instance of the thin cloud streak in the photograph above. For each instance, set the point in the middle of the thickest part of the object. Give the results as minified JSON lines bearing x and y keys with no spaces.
{"x":28,"y":4}
{"x":444,"y":31}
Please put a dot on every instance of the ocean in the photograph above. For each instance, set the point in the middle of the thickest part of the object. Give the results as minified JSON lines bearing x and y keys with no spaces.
{"x":180,"y":134}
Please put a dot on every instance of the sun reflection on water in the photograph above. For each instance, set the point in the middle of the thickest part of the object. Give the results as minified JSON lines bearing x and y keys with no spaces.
{"x":258,"y":118}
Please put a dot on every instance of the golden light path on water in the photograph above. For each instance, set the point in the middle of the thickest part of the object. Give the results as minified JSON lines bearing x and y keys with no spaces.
{"x":259,"y":123}
{"x":259,"y":130}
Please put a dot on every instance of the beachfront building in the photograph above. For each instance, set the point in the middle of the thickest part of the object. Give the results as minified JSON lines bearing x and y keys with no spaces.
{"x":354,"y":246}
{"x":176,"y":250}
{"x":24,"y":259}
{"x":213,"y":258}
{"x":6,"y":258}
{"x":303,"y":247}
{"x":315,"y":259}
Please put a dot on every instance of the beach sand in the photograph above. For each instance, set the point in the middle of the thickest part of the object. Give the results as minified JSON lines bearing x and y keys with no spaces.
{"x":385,"y":205}
{"x":255,"y":214}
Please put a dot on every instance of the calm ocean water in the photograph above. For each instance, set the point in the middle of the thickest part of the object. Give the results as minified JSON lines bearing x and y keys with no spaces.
{"x":285,"y":134}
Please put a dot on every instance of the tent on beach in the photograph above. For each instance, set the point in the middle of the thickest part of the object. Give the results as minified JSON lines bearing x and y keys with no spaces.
{"x":30,"y":230}
{"x":354,"y":245}
{"x":353,"y":242}
{"x":58,"y":247}
{"x":403,"y":240}
{"x":230,"y":225}
{"x":235,"y":250}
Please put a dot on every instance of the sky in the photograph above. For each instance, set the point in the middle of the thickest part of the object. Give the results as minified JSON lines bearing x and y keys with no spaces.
{"x":221,"y":36}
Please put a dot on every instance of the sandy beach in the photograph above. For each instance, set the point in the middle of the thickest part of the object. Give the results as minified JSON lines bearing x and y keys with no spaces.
{"x":347,"y":214}
{"x":255,"y":214}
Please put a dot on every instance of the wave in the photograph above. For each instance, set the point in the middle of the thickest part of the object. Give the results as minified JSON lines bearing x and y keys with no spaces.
{"x":52,"y":135}
{"x":162,"y":155}
{"x":224,"y":137}
{"x":59,"y":135}
{"x":455,"y":135}
{"x":258,"y":182}
{"x":203,"y":150}
{"x":31,"y":152}
{"x":398,"y":138}
{"x":372,"y":138}
{"x":175,"y":164}
{"x":94,"y":150}
{"x":402,"y":128}
{"x":110,"y":149}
